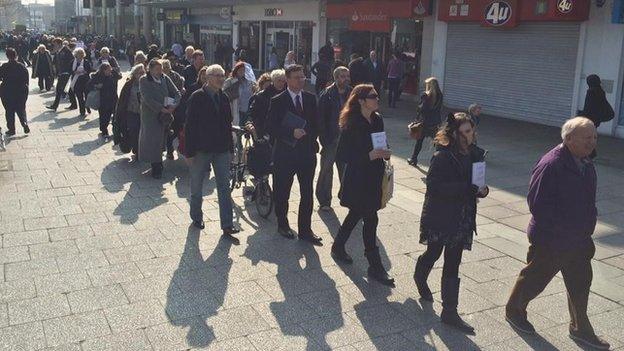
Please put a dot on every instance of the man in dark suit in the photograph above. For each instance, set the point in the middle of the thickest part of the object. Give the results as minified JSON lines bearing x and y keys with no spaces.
{"x":374,"y":71}
{"x":63,"y":62}
{"x":14,"y":91}
{"x":295,"y":152}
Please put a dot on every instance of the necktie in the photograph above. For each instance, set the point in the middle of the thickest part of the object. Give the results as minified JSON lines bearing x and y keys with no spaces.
{"x":298,"y":106}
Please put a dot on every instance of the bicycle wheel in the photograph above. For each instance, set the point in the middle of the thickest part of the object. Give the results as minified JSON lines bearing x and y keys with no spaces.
{"x":264,"y":198}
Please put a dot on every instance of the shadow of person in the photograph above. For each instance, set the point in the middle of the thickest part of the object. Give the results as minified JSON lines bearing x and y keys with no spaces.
{"x":299,"y":273}
{"x":331,"y":221}
{"x":86,"y":147}
{"x":60,"y":123}
{"x":197,"y":290}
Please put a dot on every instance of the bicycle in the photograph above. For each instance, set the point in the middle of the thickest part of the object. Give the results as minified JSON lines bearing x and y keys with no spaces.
{"x":260,"y":190}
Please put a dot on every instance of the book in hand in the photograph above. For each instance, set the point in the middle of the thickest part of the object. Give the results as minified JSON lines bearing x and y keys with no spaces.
{"x":291,"y":122}
{"x":380,"y":142}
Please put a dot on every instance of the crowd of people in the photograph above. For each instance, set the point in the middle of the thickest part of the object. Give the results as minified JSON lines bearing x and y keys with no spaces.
{"x":175,"y":98}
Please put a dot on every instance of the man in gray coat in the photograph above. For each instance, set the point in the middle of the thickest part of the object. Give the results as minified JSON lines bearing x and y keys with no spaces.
{"x":331,"y":102}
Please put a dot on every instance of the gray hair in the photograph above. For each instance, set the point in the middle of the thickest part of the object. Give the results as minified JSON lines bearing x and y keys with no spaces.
{"x":215,"y":69}
{"x":79,"y":51}
{"x":166,"y":64}
{"x":140,"y":55}
{"x":339,"y":70}
{"x":473,"y":107}
{"x":104,"y":50}
{"x":278,"y":74}
{"x":41,"y":46}
{"x":572,"y":124}
{"x":135,"y":69}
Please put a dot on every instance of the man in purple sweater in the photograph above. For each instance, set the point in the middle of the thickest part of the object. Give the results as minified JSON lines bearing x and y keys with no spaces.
{"x":562,"y":201}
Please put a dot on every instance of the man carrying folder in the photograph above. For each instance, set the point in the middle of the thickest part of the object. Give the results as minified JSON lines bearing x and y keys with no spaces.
{"x":292,"y":123}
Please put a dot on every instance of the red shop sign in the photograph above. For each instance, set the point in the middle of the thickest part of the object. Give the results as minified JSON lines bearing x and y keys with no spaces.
{"x":366,"y":20}
{"x":500,"y":13}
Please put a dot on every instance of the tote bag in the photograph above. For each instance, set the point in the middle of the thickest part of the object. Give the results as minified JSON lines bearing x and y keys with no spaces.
{"x":387,"y":184}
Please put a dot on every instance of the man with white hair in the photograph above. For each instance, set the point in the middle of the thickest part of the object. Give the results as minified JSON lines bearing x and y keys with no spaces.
{"x":562,"y":201}
{"x":208,"y":133}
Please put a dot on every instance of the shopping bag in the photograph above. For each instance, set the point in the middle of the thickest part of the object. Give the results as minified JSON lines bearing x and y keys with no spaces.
{"x":387,"y":184}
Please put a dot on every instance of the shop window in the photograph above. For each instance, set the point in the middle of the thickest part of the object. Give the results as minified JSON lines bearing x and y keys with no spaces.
{"x":249,"y":40}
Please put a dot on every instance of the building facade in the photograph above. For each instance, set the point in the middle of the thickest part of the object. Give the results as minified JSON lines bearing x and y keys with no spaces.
{"x":40,"y":16}
{"x":12,"y":13}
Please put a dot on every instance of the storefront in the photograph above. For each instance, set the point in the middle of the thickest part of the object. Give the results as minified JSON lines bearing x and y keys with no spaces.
{"x":388,"y":27}
{"x":517,"y":59}
{"x":281,"y":27}
{"x":175,"y":22}
{"x":211,"y":30}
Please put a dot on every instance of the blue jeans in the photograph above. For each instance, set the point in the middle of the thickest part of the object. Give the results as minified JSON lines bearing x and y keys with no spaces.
{"x":199,"y":168}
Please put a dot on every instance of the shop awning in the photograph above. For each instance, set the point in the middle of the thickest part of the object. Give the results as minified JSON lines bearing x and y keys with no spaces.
{"x":210,"y":3}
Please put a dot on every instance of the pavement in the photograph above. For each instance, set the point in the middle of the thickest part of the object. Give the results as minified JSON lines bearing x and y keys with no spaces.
{"x":97,"y":255}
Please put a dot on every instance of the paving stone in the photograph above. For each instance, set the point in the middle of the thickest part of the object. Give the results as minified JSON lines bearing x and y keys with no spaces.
{"x":334,"y":331}
{"x":110,"y":275}
{"x":236,"y":322}
{"x":30,"y":269}
{"x":138,"y":315}
{"x":390,"y":342}
{"x":156,"y":287}
{"x":45,"y":223}
{"x":96,"y":298}
{"x":17,"y":290}
{"x":4,"y":315}
{"x":186,"y":305}
{"x":25,"y":238}
{"x":88,"y":260}
{"x":53,"y":249}
{"x":62,"y":283}
{"x":180,"y":335}
{"x":75,"y":328}
{"x":96,"y":243}
{"x":134,"y":340}
{"x":70,"y":233}
{"x":129,"y":254}
{"x":14,"y":254}
{"x":28,"y":336}
{"x":293,"y":338}
{"x":37,"y":309}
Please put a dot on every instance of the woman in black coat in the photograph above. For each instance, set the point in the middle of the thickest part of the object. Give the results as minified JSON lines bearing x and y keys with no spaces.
{"x":43,"y":69}
{"x":105,"y":79}
{"x":360,"y":190}
{"x":448,"y":219}
{"x":81,"y":69}
{"x":430,"y":108}
{"x":596,"y":107}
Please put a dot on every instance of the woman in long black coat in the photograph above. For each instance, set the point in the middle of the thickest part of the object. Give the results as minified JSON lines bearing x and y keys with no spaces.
{"x":596,"y":107}
{"x":105,"y":79}
{"x":448,"y":219}
{"x":361,"y":190}
{"x":43,"y":69}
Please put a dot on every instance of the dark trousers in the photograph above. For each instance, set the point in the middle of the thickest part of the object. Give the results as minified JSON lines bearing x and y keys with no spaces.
{"x":429,"y":132}
{"x":283,"y":176}
{"x":393,"y":91}
{"x":45,"y":83}
{"x":369,"y":231}
{"x":11,"y":109}
{"x":78,"y":93}
{"x":60,"y":89}
{"x":452,"y":258}
{"x":543,"y":263}
{"x":105,"y":117}
{"x":133,"y":121}
{"x":171,"y":135}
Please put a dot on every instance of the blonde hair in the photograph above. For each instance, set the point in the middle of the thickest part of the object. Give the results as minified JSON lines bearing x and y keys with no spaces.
{"x":339,"y":70}
{"x":572,"y":124}
{"x":135,"y":69}
{"x":104,"y":50}
{"x":79,"y":51}
{"x":41,"y":46}
{"x":432,"y":85}
{"x":166,"y":64}
{"x":278,"y":74}
{"x":140,"y":56}
{"x":215,"y":69}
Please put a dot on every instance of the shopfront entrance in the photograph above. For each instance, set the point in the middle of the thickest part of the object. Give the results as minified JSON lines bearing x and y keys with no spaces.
{"x":280,"y":39}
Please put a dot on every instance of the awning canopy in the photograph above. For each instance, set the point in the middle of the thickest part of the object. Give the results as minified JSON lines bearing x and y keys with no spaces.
{"x":210,"y":3}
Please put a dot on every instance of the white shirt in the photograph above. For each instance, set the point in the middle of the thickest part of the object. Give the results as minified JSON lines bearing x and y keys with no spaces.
{"x":293,"y":95}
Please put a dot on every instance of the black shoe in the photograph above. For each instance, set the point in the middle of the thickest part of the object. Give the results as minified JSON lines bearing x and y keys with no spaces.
{"x":450,"y":297}
{"x":199,"y":224}
{"x":412,"y":162}
{"x":339,"y":253}
{"x":519,"y":322}
{"x":170,"y":155}
{"x":286,"y":232}
{"x":310,"y":237}
{"x":51,"y":108}
{"x":10,"y":133}
{"x":376,"y":269}
{"x":71,"y":107}
{"x":590,"y":340}
{"x":26,"y":129}
{"x":231,"y":231}
{"x":421,"y":274}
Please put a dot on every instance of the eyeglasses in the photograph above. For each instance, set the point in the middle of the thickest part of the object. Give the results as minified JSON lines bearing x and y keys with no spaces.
{"x":372,"y":96}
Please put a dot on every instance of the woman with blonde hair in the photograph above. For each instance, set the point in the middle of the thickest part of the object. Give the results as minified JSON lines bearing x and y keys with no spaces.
{"x":430,"y":108}
{"x":140,"y":58}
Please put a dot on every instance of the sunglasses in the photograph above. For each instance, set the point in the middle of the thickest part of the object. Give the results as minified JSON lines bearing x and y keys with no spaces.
{"x":372,"y":96}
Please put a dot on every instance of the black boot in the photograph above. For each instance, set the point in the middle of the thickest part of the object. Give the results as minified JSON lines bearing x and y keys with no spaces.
{"x":376,"y":269}
{"x":450,"y":296}
{"x":420,"y":277}
{"x":338,"y":251}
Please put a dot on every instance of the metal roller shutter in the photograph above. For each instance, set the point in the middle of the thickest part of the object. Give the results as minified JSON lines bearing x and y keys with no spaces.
{"x":523,"y":73}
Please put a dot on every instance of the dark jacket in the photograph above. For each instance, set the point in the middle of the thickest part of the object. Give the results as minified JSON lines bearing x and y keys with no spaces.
{"x":259,"y":108}
{"x":208,"y":128}
{"x":330,"y":105}
{"x":562,"y":200}
{"x":360,"y":189}
{"x":111,"y":61}
{"x":430,"y":111}
{"x":323,"y":72}
{"x":180,"y":112}
{"x":63,"y":61}
{"x":190,"y":76}
{"x":449,"y":188}
{"x":14,"y":86}
{"x":82,"y":81}
{"x":42,"y":65}
{"x":596,"y":107}
{"x":357,"y":70}
{"x":120,"y":122}
{"x":306,"y":147}
{"x":374,"y":75}
{"x":108,"y":91}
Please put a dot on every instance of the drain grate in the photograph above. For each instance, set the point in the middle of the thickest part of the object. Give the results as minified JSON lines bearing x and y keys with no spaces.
{"x":6,"y":165}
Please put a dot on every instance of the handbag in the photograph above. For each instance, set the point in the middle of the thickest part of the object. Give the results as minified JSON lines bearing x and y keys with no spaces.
{"x":415,"y":130}
{"x":93,"y":99}
{"x":165,"y":118}
{"x":387,"y":184}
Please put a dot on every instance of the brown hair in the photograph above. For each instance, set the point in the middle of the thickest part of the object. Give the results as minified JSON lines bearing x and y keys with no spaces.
{"x":294,"y":68}
{"x":237,"y":67}
{"x":448,"y":134}
{"x":201,"y":72}
{"x":197,"y":53}
{"x":264,"y":78}
{"x":352,"y":107}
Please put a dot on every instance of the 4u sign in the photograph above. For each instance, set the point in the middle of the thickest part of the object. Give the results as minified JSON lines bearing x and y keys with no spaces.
{"x":498,"y":13}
